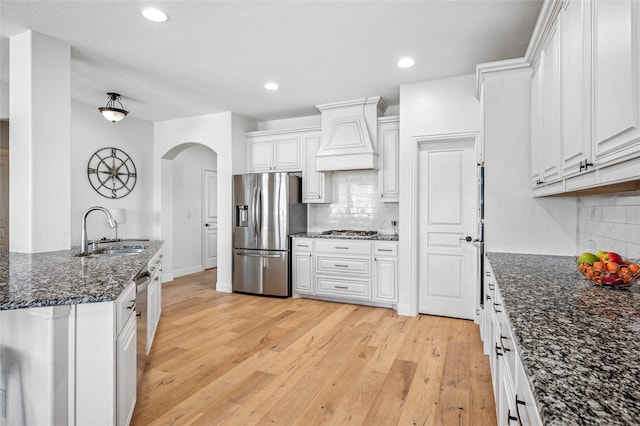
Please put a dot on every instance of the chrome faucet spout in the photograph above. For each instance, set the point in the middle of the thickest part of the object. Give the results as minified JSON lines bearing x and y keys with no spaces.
{"x":83,"y":242}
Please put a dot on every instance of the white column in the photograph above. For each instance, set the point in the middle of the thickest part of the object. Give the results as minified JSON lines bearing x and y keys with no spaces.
{"x":40,"y":144}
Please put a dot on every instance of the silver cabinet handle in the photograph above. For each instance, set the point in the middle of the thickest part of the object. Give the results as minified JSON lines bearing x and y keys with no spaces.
{"x":385,"y":250}
{"x":342,"y":248}
{"x":341,"y":266}
{"x":342,"y":287}
{"x":259,"y":255}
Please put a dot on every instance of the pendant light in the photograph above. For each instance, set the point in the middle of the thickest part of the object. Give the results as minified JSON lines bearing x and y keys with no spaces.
{"x":110,"y":112}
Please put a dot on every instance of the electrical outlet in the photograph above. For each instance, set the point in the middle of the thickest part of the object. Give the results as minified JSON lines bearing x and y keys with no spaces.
{"x":3,"y":403}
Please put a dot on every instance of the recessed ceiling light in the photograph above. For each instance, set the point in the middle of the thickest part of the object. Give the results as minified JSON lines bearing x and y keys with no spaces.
{"x":271,"y":86}
{"x":406,"y":63}
{"x":154,"y":15}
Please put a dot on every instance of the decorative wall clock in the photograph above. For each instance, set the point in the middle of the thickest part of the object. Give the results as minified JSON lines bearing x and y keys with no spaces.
{"x":111,"y":173}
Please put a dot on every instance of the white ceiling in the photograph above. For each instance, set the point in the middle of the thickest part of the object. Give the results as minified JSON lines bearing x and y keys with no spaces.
{"x":214,"y":56}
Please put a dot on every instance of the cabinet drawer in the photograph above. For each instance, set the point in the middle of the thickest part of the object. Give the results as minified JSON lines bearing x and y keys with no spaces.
{"x":385,"y":249}
{"x":343,"y":247}
{"x":360,"y":289}
{"x":125,"y":306}
{"x":343,"y":265}
{"x":302,"y":244}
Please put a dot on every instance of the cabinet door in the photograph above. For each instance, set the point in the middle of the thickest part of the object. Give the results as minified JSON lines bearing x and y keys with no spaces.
{"x":259,"y":153}
{"x":286,"y":153}
{"x":386,"y":270}
{"x":536,"y":126}
{"x":126,"y":372}
{"x":616,"y":79}
{"x":388,"y":150}
{"x":575,"y":88}
{"x":303,"y":273}
{"x":550,"y":103}
{"x":316,"y":185}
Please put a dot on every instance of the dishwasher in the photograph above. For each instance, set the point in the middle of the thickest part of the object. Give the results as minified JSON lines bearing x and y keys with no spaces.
{"x":142,"y":284}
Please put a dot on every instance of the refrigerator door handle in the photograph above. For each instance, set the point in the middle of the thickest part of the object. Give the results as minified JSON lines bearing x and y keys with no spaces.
{"x":254,"y":211}
{"x":259,"y":208}
{"x":258,"y":255}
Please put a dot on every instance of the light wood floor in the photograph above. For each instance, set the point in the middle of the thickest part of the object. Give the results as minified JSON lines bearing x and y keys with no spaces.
{"x":235,"y":359}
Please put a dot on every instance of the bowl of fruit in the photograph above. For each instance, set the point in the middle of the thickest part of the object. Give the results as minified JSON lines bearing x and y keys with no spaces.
{"x":608,"y":269}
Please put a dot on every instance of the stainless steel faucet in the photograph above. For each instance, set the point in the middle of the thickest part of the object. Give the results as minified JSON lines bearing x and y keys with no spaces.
{"x":83,"y":242}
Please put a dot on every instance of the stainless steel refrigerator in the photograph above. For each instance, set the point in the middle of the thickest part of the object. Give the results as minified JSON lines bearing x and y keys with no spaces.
{"x":267,"y":209}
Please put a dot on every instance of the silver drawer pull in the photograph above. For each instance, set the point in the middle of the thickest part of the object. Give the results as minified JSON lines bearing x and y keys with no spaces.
{"x":133,"y":305}
{"x":385,"y":250}
{"x":342,"y":287}
{"x":301,"y":245}
{"x":342,"y":248}
{"x":341,"y":266}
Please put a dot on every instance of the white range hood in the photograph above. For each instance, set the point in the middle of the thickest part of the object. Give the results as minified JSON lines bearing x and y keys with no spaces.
{"x":350,"y":134}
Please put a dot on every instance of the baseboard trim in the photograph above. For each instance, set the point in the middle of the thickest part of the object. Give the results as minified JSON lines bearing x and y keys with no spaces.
{"x":404,"y":310}
{"x":186,"y":271}
{"x":223,"y":287}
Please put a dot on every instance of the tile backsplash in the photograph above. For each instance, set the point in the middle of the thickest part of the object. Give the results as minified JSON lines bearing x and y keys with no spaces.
{"x":354,"y":205}
{"x":610,"y":222}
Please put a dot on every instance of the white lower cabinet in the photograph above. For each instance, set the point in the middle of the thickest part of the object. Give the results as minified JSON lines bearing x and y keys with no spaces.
{"x":513,"y":397}
{"x":126,"y":372}
{"x":302,"y":266}
{"x":386,"y":271}
{"x":357,"y":271}
{"x":105,"y":360}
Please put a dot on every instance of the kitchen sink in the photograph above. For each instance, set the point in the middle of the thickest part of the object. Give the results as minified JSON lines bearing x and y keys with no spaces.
{"x":117,"y":251}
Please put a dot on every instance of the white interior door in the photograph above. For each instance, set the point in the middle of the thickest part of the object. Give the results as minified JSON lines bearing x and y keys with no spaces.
{"x":210,"y":216}
{"x":448,"y":279}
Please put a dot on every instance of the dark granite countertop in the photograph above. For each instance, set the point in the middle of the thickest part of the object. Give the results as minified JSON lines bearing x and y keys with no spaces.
{"x":579,"y":344}
{"x":61,"y":278}
{"x":379,"y":237}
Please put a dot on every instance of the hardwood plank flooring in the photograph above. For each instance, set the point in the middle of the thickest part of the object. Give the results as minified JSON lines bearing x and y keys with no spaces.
{"x":235,"y":359}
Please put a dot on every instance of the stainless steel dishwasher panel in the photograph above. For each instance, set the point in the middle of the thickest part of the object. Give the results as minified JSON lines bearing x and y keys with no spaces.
{"x":142,"y":285}
{"x":261,"y":272}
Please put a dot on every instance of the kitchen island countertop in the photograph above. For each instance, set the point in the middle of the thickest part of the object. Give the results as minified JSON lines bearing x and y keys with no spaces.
{"x":30,"y":280}
{"x":579,"y":344}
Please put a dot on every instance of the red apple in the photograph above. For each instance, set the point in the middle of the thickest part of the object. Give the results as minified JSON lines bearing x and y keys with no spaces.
{"x":611,"y":257}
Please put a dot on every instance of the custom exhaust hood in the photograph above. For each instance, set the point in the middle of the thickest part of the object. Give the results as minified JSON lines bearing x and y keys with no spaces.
{"x":350,"y":134}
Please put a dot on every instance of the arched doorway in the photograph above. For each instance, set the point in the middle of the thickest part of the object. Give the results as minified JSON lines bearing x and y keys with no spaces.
{"x":184,"y":205}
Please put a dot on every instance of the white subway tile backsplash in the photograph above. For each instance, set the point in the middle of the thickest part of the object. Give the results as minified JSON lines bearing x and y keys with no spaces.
{"x":610,"y":222}
{"x":355,"y":205}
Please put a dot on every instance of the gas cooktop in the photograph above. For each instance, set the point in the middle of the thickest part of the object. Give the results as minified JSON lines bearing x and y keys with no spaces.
{"x":348,"y":233}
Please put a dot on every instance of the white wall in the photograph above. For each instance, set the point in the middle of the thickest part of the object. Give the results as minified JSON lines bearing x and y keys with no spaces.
{"x":188,"y":228}
{"x":610,"y":223}
{"x":436,"y":107}
{"x":89,"y":133}
{"x":224,"y":134}
{"x":514,"y":220}
{"x":40,"y":109}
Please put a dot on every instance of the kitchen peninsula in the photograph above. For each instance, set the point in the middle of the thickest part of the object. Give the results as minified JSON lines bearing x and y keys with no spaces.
{"x":68,"y":335}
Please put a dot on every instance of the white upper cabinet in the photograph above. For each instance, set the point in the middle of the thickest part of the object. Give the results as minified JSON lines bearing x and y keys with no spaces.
{"x":575,"y":88}
{"x":316,"y":186}
{"x":545,"y":130}
{"x":551,"y":111}
{"x":616,"y":79}
{"x":536,"y":128}
{"x":388,"y":151}
{"x":586,"y":96}
{"x":271,"y":153}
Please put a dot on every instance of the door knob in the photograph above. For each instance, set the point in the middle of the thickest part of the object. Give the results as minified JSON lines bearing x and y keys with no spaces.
{"x":206,"y":224}
{"x":467,"y":239}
